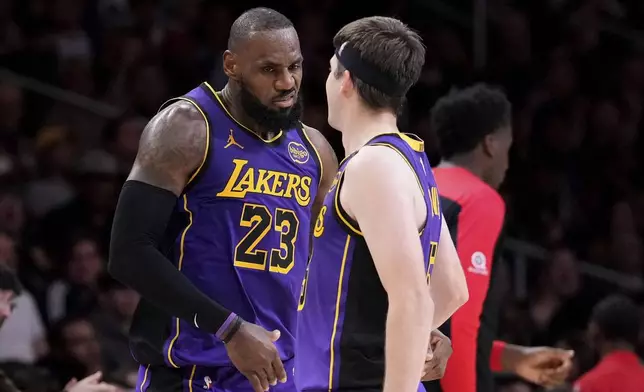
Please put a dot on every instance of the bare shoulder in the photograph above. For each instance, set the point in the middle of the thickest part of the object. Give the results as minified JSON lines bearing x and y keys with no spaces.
{"x":379,"y":165}
{"x":171,"y":148}
{"x":375,"y":179}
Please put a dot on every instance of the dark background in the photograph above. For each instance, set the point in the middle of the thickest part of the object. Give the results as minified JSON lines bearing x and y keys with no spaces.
{"x":573,"y":70}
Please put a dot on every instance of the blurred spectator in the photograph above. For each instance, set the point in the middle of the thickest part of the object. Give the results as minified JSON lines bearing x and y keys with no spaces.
{"x":10,"y":290}
{"x":613,"y":333}
{"x":112,"y":321}
{"x":23,"y":335}
{"x":54,"y":154}
{"x":77,"y":292}
{"x":12,"y":220}
{"x":75,"y":350}
{"x":97,"y":184}
{"x":29,"y":378}
{"x":559,"y":282}
{"x":122,"y":140}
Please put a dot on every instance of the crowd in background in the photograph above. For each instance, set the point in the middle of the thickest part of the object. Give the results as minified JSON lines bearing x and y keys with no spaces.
{"x":575,"y":78}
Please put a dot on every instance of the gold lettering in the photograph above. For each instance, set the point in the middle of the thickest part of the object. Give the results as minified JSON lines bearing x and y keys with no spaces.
{"x":245,"y":179}
{"x":319,"y":223}
{"x":247,"y":182}
{"x":303,"y":194}
{"x":228,"y":189}
{"x":263,"y":183}
{"x":293,"y":182}
{"x":433,"y":197}
{"x":276,"y":191}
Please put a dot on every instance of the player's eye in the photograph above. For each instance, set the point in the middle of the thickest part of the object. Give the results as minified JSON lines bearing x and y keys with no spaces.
{"x":267,"y":69}
{"x":295,"y":67}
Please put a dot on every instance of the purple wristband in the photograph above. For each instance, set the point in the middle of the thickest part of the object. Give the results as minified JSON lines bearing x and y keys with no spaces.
{"x":221,"y":332}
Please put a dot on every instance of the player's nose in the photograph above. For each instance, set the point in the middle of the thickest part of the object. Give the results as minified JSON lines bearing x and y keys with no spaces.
{"x":284,"y":81}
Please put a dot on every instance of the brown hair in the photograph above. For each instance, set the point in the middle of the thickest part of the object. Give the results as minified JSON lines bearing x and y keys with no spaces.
{"x":392,"y":47}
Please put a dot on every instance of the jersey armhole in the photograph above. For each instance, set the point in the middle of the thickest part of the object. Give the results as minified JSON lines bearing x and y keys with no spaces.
{"x":311,"y":147}
{"x":348,"y":223}
{"x":205,"y":160}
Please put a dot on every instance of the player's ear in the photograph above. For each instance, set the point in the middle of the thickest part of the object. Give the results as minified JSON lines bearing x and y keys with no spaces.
{"x":346,"y":84}
{"x":231,"y":68}
{"x":490,"y":144}
{"x":593,"y":335}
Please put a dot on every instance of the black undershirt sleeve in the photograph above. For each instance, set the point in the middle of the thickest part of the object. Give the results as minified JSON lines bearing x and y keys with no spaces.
{"x":141,"y":218}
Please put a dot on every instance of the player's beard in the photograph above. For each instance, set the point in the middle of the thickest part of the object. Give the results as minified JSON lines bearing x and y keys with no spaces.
{"x":271,"y":119}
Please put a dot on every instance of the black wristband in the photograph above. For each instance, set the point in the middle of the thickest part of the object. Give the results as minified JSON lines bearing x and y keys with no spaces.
{"x":234,"y":328}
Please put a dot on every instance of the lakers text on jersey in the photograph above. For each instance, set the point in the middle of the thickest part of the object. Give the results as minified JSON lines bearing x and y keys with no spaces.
{"x":240,"y":233}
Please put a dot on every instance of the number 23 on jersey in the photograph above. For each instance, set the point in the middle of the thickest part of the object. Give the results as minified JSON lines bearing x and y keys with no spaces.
{"x":260,"y":220}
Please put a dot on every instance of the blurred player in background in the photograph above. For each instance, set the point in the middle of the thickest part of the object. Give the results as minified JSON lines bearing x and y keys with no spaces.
{"x":365,"y":311}
{"x":613,"y":333}
{"x":474,"y":127}
{"x":212,"y":226}
{"x":10,"y":288}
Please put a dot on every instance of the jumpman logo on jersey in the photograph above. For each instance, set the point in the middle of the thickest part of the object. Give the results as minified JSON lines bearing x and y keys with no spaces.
{"x":231,"y":141}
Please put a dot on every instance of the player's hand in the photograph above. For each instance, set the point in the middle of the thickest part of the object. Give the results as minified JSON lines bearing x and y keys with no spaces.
{"x":438,"y":352}
{"x":253,"y":352}
{"x":89,"y":384}
{"x":545,"y":366}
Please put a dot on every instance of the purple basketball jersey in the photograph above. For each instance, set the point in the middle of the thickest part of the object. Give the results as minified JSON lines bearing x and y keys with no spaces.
{"x":343,"y":306}
{"x":243,"y":239}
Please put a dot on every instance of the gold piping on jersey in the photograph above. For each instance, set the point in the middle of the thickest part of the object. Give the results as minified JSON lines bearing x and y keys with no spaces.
{"x":145,"y":378}
{"x":337,"y":310}
{"x":192,"y":377}
{"x":344,"y":216}
{"x":340,"y":213}
{"x":383,"y":144}
{"x":420,"y":185}
{"x":414,"y":141}
{"x":221,"y":103}
{"x":181,"y":255}
{"x":315,"y":150}
{"x":205,"y":118}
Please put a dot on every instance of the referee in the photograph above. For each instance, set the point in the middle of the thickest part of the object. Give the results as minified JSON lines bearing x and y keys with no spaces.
{"x":475,"y":134}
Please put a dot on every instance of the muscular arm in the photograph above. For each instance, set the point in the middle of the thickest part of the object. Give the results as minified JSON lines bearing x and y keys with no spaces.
{"x":449,"y":287}
{"x":377,"y":179}
{"x":329,"y":168}
{"x":171,"y":149}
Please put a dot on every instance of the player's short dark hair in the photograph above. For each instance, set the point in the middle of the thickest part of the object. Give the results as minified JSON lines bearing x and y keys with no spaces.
{"x":256,"y":20}
{"x":463,"y":117}
{"x":392,"y":47}
{"x":9,"y":281}
{"x":618,"y":319}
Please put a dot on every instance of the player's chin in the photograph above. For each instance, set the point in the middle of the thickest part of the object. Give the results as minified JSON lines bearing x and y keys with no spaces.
{"x":282,"y":111}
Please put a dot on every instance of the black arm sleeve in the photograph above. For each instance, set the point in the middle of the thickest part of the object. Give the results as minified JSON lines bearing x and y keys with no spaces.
{"x":142,"y":215}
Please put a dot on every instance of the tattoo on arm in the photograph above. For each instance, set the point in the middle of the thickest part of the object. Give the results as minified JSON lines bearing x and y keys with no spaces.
{"x":172,"y":147}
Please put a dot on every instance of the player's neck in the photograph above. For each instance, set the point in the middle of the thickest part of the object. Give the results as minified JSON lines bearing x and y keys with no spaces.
{"x":610,"y":348}
{"x":362,"y":127}
{"x":466,"y":162}
{"x":234,"y":106}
